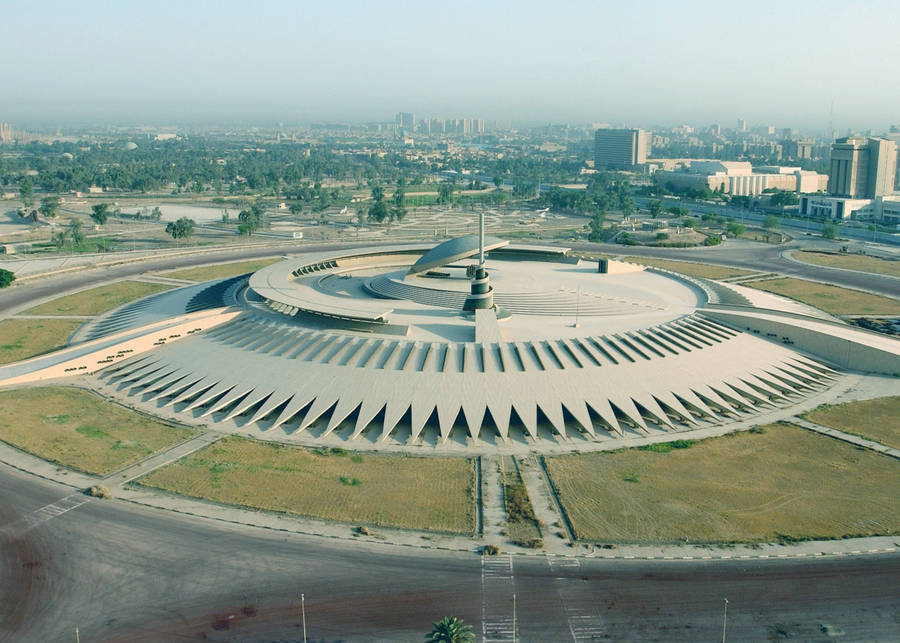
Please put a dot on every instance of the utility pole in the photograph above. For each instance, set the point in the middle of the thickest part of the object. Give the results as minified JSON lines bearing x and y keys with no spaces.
{"x":724,"y":619}
{"x":514,"y":617}
{"x":77,"y":638}
{"x":303,"y":615}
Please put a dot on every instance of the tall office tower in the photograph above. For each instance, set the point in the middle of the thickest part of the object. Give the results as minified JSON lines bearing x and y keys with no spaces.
{"x":742,"y":125}
{"x":6,"y":135}
{"x":479,"y":126}
{"x":406,"y":121}
{"x":620,"y":149}
{"x":862,"y":168}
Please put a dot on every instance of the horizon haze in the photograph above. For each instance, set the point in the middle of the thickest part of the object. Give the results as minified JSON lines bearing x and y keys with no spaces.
{"x":800,"y":65}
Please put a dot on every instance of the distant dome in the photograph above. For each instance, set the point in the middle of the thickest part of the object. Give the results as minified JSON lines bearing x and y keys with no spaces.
{"x":130,"y":145}
{"x":67,"y":156}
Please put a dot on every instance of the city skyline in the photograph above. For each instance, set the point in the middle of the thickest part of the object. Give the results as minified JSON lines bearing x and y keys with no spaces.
{"x":641,"y":66}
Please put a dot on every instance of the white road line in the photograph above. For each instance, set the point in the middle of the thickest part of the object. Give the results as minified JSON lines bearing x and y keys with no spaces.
{"x":497,"y":589}
{"x":43,"y":514}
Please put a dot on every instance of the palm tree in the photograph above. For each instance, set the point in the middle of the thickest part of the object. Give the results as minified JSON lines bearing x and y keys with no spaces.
{"x":450,"y":630}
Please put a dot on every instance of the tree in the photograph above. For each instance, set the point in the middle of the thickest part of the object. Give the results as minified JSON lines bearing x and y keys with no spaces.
{"x":181,"y":229}
{"x":689,"y":223}
{"x":498,"y":181}
{"x":829,"y":231}
{"x":59,"y":239}
{"x":6,"y":278}
{"x":596,"y":233}
{"x":378,"y":211}
{"x":49,"y":206}
{"x":398,"y":211}
{"x":445,"y":193}
{"x":656,"y":207}
{"x":736,"y":229}
{"x":100,"y":213}
{"x":26,"y":193}
{"x":249,"y":221}
{"x":156,"y":214}
{"x":450,"y":630}
{"x":771,"y":222}
{"x":75,"y":233}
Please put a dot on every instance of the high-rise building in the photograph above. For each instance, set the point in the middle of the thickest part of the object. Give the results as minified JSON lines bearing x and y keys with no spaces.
{"x":742,"y":125}
{"x":862,"y":168}
{"x":6,"y":134}
{"x":406,"y":121}
{"x":620,"y":149}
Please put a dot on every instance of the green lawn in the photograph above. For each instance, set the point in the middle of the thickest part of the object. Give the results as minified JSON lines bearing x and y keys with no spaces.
{"x":783,"y":483}
{"x":97,"y":300}
{"x":876,"y":419}
{"x":831,"y":299}
{"x":390,"y":490}
{"x":221,"y":270}
{"x":24,"y":338}
{"x":81,"y":430}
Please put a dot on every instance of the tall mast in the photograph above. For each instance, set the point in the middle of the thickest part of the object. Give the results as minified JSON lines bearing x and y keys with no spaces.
{"x":481,"y":239}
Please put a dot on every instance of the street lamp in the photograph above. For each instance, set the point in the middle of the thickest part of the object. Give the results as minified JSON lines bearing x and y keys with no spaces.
{"x":724,"y":618}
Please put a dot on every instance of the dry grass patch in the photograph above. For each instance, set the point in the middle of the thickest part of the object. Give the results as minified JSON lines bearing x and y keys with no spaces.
{"x":863,"y":263}
{"x":97,"y":300}
{"x":81,"y":430}
{"x":220,"y":271}
{"x":877,"y":419}
{"x":24,"y":338}
{"x":780,"y":482}
{"x":831,"y":299}
{"x":702,"y":270}
{"x":522,"y":526}
{"x":390,"y":490}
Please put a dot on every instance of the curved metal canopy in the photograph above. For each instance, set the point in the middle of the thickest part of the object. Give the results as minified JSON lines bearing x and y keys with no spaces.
{"x":454,"y":250}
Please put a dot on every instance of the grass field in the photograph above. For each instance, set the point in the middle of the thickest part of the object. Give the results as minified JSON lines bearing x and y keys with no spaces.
{"x":521,"y":524}
{"x":877,"y":419}
{"x":784,"y":483}
{"x":23,"y":338}
{"x":97,"y":300}
{"x":831,"y":299}
{"x":81,"y":430}
{"x":390,"y":490}
{"x":703,"y":270}
{"x":220,"y":271}
{"x":851,"y":262}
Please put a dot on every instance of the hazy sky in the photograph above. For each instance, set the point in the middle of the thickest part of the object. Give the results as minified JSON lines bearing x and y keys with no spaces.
{"x":631,"y":62}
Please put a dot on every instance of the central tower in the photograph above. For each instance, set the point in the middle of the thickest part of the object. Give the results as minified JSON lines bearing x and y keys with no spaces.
{"x":481,"y":295}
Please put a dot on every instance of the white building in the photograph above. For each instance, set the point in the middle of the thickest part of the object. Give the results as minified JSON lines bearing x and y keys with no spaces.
{"x":741,"y":178}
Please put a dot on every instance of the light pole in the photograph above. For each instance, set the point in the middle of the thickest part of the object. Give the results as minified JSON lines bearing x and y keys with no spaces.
{"x":303,"y":615}
{"x":724,"y":619}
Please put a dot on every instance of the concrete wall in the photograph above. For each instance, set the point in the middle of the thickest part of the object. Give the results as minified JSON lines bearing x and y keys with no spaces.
{"x":844,"y":346}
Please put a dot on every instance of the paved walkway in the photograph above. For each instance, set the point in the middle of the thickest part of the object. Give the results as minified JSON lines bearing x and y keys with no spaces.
{"x":115,"y":480}
{"x":553,"y":525}
{"x":846,"y":437}
{"x":492,"y":510}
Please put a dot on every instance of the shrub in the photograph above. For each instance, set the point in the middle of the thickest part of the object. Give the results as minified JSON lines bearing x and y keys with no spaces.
{"x":6,"y":277}
{"x":518,"y":505}
{"x":350,"y":482}
{"x":490,"y":550}
{"x":631,"y":477}
{"x":531,"y":543}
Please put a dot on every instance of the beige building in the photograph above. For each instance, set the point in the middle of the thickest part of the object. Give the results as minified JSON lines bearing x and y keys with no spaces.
{"x":740,"y":178}
{"x":862,"y":168}
{"x":621,"y":149}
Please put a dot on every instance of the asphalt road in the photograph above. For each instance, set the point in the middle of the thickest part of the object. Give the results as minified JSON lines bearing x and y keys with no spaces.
{"x":762,"y":257}
{"x":749,"y":255}
{"x":120,"y":572}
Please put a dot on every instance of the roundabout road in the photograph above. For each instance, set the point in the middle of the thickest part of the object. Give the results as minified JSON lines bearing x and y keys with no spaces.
{"x":124,"y":573}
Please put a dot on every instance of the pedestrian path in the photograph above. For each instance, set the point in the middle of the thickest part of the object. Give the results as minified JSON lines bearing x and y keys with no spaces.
{"x":161,"y":459}
{"x":846,"y":437}
{"x":493,"y":513}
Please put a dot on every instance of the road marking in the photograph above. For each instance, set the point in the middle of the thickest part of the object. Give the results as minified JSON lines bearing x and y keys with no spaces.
{"x":584,"y":623}
{"x":497,"y":591}
{"x":39,"y":516}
